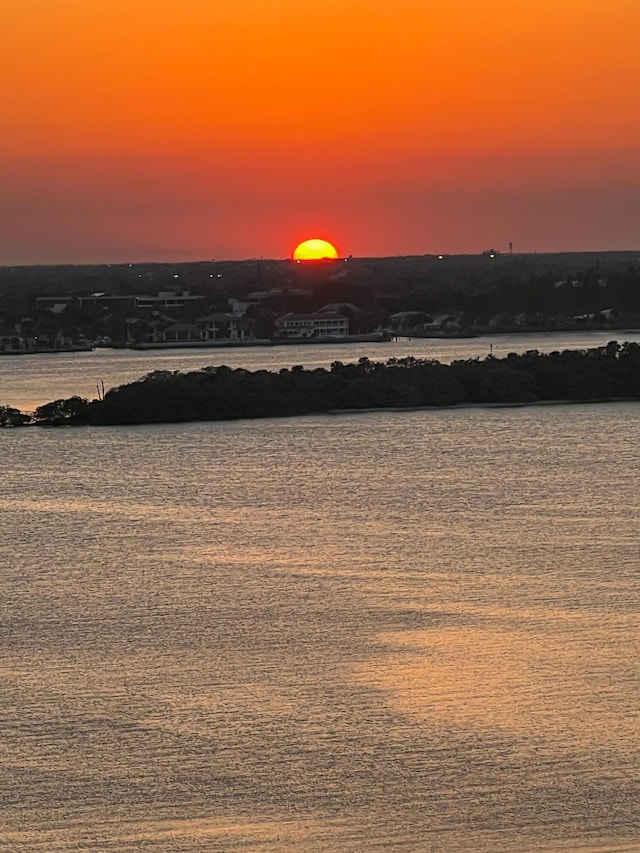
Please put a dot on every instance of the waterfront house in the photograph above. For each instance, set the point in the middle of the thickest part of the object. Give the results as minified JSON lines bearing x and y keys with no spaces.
{"x":322,"y":324}
{"x":181,"y":332}
{"x":226,"y":327}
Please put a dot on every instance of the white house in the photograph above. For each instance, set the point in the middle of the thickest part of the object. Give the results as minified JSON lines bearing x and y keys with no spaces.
{"x":323,"y":324}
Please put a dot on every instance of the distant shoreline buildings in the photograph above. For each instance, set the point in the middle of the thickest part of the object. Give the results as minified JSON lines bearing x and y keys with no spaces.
{"x":239,"y":303}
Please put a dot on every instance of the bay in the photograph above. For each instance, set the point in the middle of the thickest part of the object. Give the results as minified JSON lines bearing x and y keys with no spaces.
{"x":412,"y":631}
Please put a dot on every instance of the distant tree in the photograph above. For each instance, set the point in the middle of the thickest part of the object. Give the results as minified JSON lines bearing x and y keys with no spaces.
{"x":503,"y":385}
{"x":10,"y":417}
{"x":72,"y":411}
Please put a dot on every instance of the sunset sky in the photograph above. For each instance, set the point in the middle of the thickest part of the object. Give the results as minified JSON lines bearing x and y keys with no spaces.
{"x":190,"y":129}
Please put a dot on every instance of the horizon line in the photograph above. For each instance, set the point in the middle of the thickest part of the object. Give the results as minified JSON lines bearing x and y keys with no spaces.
{"x":289,"y":259}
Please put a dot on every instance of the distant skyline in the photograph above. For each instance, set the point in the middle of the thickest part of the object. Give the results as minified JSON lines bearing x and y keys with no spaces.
{"x":150,"y":130}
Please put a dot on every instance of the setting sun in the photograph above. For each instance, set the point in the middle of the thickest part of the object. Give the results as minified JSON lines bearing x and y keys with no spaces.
{"x":315,"y":250}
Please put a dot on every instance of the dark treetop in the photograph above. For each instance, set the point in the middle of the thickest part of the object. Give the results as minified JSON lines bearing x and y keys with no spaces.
{"x":221,"y":393}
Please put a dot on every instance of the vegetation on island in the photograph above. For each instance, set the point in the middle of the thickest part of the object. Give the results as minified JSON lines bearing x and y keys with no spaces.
{"x":222,"y":393}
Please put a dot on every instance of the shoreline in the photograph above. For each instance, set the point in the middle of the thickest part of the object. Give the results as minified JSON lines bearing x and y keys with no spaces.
{"x":47,"y":350}
{"x":373,"y":338}
{"x":453,"y":406}
{"x":257,"y":342}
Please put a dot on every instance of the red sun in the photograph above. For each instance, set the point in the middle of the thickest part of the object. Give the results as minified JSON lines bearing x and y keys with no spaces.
{"x":315,"y":250}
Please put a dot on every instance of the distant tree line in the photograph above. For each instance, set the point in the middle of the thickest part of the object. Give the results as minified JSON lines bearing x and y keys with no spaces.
{"x":222,"y":393}
{"x":568,"y":285}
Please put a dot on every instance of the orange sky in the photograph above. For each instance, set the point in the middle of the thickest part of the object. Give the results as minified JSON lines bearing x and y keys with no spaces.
{"x":187,"y":129}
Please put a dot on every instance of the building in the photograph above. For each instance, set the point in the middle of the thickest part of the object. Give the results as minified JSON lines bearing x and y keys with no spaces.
{"x":323,"y":324}
{"x":11,"y":342}
{"x":226,"y":327}
{"x":57,"y":304}
{"x":166,"y":299}
{"x":185,"y":332}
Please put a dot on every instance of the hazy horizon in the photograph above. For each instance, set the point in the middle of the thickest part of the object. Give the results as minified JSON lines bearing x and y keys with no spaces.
{"x":282,"y":260}
{"x":146,"y":131}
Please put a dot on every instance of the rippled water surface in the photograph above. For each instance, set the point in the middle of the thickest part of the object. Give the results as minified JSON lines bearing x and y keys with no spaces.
{"x":409,"y":631}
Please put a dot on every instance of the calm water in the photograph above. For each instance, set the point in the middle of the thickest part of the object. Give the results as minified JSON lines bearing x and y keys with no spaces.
{"x":28,"y":381}
{"x":393,"y":631}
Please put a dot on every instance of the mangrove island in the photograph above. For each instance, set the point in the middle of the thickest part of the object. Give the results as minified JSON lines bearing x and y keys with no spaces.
{"x":604,"y":373}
